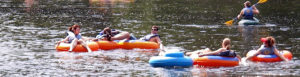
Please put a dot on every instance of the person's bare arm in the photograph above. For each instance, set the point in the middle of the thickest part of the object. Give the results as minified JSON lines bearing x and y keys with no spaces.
{"x":214,"y":52}
{"x":255,"y":10}
{"x":279,"y":55}
{"x":240,"y":15}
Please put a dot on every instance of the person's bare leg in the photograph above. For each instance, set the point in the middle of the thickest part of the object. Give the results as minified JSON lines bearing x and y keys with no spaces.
{"x":85,"y":45}
{"x":73,"y":44}
{"x":121,"y":36}
{"x":198,"y":51}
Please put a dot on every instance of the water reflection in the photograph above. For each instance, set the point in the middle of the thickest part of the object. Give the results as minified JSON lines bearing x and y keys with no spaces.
{"x":209,"y":72}
{"x":29,"y":4}
{"x":173,"y":72}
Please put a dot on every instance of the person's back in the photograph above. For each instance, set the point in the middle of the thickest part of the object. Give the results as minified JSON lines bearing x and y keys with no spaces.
{"x":227,"y":53}
{"x":265,"y":50}
{"x":248,"y":13}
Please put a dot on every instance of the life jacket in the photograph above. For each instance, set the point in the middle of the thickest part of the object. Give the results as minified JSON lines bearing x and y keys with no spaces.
{"x":71,"y":36}
{"x":227,"y":53}
{"x":148,"y":37}
{"x":248,"y":13}
{"x":267,"y":50}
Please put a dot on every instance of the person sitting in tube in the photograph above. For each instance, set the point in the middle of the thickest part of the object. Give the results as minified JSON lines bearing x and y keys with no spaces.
{"x":268,"y":48}
{"x":153,"y":36}
{"x":112,"y":34}
{"x":74,"y":37}
{"x":224,"y":51}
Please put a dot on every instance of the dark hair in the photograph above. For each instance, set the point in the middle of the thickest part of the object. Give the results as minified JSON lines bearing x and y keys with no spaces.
{"x":107,"y":32}
{"x":270,"y":41}
{"x":73,"y":28}
{"x":248,"y":3}
{"x":156,"y":27}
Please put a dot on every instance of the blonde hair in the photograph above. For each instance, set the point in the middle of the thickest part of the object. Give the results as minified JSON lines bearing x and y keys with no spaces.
{"x":226,"y":43}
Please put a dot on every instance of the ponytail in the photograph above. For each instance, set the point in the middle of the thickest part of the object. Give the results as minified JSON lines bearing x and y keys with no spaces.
{"x":270,"y":41}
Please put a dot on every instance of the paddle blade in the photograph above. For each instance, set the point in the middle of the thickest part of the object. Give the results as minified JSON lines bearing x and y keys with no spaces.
{"x":229,"y":23}
{"x":262,"y":1}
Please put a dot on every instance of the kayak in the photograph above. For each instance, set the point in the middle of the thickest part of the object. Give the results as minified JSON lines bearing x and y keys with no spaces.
{"x":245,"y":22}
{"x":270,"y":58}
{"x":171,"y":59}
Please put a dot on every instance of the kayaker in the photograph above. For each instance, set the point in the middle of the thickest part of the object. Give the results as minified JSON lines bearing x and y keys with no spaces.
{"x":224,"y":51}
{"x":74,"y":37}
{"x":248,"y":11}
{"x":268,"y":48}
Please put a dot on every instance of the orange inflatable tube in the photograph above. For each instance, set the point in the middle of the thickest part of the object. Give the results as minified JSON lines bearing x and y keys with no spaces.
{"x":79,"y":48}
{"x":270,"y":58}
{"x":138,"y":44}
{"x":215,"y":61}
{"x":107,"y":45}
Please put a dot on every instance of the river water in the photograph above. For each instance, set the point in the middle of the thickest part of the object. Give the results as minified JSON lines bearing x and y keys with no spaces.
{"x":30,"y":28}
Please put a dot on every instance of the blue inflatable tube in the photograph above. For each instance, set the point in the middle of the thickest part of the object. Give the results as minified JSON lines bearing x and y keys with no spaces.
{"x":171,"y":60}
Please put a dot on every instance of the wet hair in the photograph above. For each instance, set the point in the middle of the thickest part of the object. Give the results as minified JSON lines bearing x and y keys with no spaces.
{"x":247,"y":3}
{"x":270,"y":41}
{"x":155,"y":27}
{"x":107,"y":32}
{"x":73,"y":28}
{"x":226,"y":43}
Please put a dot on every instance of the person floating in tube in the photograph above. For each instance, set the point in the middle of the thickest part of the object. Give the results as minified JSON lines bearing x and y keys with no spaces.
{"x":268,"y":48}
{"x":224,"y":51}
{"x":74,"y":37}
{"x":112,"y":34}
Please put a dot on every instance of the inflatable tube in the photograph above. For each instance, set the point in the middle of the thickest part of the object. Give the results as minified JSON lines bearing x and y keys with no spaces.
{"x":107,"y":45}
{"x":171,"y":60}
{"x":79,"y":48}
{"x":131,"y":44}
{"x":269,"y":58}
{"x":215,"y":61}
{"x":248,"y":22}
